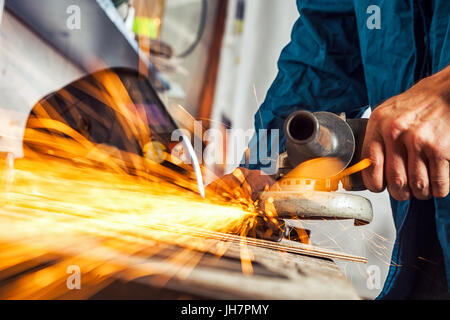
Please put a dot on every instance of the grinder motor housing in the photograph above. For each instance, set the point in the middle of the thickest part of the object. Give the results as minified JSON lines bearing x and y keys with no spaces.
{"x":323,"y":134}
{"x":318,"y":135}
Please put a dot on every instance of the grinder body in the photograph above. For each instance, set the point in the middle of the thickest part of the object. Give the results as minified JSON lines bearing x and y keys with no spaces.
{"x":319,"y":135}
{"x":323,"y":134}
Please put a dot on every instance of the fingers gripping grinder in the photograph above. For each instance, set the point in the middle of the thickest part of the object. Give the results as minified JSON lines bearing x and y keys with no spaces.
{"x":321,"y":150}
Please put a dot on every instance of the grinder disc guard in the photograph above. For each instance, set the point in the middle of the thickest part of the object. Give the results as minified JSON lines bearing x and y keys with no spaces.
{"x":318,"y":205}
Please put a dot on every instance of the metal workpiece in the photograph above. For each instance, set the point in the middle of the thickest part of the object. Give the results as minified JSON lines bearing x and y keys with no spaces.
{"x":276,"y":275}
{"x":267,"y":229}
{"x":318,"y":205}
{"x":319,"y":134}
{"x":276,"y":229}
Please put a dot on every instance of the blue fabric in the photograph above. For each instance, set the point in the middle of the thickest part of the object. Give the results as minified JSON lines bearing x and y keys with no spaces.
{"x":334,"y":62}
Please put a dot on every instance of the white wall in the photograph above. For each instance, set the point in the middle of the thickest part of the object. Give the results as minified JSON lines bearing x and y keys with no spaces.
{"x":248,"y":67}
{"x":2,"y":2}
{"x":248,"y":60}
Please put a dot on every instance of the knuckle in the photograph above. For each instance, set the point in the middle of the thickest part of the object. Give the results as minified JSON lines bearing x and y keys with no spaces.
{"x":416,"y":140}
{"x":377,"y":114}
{"x":420,"y":189}
{"x":420,"y":185}
{"x":394,"y":129}
{"x":397,"y":182}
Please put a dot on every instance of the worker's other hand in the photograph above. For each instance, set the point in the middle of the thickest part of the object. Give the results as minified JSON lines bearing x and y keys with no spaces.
{"x":242,"y":182}
{"x":408,"y":141}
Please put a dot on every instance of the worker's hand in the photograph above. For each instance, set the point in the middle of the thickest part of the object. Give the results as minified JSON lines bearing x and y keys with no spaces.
{"x":242,"y":182}
{"x":408,"y":141}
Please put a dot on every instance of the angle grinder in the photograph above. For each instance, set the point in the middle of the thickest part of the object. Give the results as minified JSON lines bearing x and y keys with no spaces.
{"x":333,"y":142}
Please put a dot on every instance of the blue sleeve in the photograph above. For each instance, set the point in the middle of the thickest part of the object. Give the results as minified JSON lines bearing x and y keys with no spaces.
{"x":320,"y":69}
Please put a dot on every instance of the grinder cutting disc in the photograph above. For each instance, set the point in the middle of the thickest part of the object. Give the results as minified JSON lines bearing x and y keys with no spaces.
{"x":318,"y":205}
